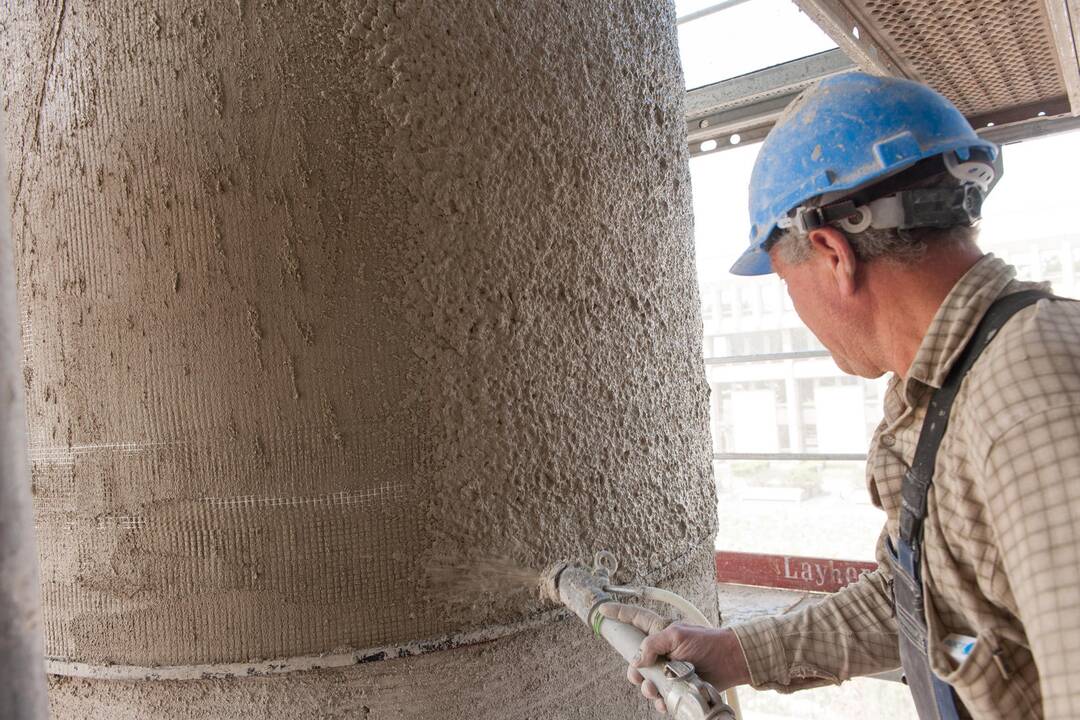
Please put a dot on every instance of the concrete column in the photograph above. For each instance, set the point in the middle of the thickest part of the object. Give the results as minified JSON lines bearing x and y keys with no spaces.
{"x":1068,"y":273}
{"x":794,"y":408}
{"x":22,"y":668}
{"x":327,"y":306}
{"x":791,"y":392}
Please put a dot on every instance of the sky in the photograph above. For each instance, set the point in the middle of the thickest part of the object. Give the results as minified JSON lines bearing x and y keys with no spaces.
{"x":743,"y":38}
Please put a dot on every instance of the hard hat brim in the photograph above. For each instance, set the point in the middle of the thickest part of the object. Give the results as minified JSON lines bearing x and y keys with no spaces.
{"x":754,"y":261}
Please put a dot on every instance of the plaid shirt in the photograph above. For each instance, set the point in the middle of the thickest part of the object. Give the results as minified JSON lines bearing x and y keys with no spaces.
{"x":1002,"y":535}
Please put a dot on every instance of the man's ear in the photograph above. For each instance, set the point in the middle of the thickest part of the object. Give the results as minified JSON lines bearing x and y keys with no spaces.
{"x":831,"y":245}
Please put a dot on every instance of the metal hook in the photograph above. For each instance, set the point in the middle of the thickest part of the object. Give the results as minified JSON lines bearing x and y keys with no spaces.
{"x":605,"y":560}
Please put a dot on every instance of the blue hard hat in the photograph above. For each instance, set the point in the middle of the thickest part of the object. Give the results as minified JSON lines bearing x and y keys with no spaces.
{"x":847,"y":132}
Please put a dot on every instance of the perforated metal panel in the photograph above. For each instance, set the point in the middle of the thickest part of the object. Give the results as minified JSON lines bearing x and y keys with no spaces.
{"x":985,"y":55}
{"x":1000,"y":61}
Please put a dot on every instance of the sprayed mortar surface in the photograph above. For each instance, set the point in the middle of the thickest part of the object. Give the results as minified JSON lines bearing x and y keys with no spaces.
{"x":559,"y":672}
{"x":313,"y":294}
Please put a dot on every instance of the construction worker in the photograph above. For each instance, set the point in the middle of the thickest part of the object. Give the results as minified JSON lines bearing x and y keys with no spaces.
{"x":864,"y":199}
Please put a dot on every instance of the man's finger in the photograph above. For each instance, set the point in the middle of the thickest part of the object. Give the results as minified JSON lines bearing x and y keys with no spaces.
{"x":661,"y":706}
{"x":634,"y":676}
{"x":649,"y":690}
{"x":644,"y":620}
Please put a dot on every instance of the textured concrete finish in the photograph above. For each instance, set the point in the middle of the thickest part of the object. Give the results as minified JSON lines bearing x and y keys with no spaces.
{"x":560,"y":672}
{"x":22,"y":670}
{"x":318,"y":295}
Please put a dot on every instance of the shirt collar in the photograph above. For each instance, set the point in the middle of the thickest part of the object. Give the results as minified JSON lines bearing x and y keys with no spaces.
{"x":956,"y":319}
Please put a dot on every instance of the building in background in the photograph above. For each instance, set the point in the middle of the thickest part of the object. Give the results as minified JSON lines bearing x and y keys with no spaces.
{"x":771,"y":379}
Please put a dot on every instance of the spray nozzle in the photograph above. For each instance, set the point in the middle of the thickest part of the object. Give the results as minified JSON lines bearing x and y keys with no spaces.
{"x":578,"y":586}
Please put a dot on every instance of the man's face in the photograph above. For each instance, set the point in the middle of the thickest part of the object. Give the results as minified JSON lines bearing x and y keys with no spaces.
{"x":839,"y":320}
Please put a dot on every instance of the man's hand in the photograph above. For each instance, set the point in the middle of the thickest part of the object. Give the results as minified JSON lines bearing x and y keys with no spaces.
{"x":715,"y":653}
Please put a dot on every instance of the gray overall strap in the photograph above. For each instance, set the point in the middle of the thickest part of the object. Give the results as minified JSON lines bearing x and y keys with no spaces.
{"x":934,"y":698}
{"x":919,"y":477}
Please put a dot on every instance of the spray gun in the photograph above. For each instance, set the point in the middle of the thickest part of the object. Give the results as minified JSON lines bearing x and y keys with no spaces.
{"x":584,"y":590}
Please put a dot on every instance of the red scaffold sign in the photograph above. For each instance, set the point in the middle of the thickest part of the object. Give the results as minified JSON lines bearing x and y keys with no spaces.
{"x":789,"y":572}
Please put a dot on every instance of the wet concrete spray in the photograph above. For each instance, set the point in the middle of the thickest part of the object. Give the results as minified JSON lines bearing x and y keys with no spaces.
{"x":317,"y":297}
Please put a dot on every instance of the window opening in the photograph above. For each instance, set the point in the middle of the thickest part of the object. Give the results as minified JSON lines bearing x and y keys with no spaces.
{"x":705,"y":25}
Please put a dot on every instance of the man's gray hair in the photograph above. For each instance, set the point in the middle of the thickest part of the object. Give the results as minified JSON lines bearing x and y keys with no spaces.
{"x":901,"y":246}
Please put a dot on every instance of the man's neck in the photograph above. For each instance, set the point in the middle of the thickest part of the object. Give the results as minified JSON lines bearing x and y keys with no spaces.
{"x":909,"y":296}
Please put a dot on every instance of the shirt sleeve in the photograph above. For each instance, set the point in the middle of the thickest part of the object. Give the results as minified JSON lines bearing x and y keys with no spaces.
{"x":1032,"y":481}
{"x":850,"y":633}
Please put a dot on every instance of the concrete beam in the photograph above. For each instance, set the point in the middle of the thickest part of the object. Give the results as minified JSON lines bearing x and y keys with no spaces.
{"x":1064,"y":16}
{"x":855,"y":36}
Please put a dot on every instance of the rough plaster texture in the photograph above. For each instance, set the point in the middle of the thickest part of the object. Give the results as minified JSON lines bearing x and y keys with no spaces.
{"x":560,"y":672}
{"x":317,"y":294}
